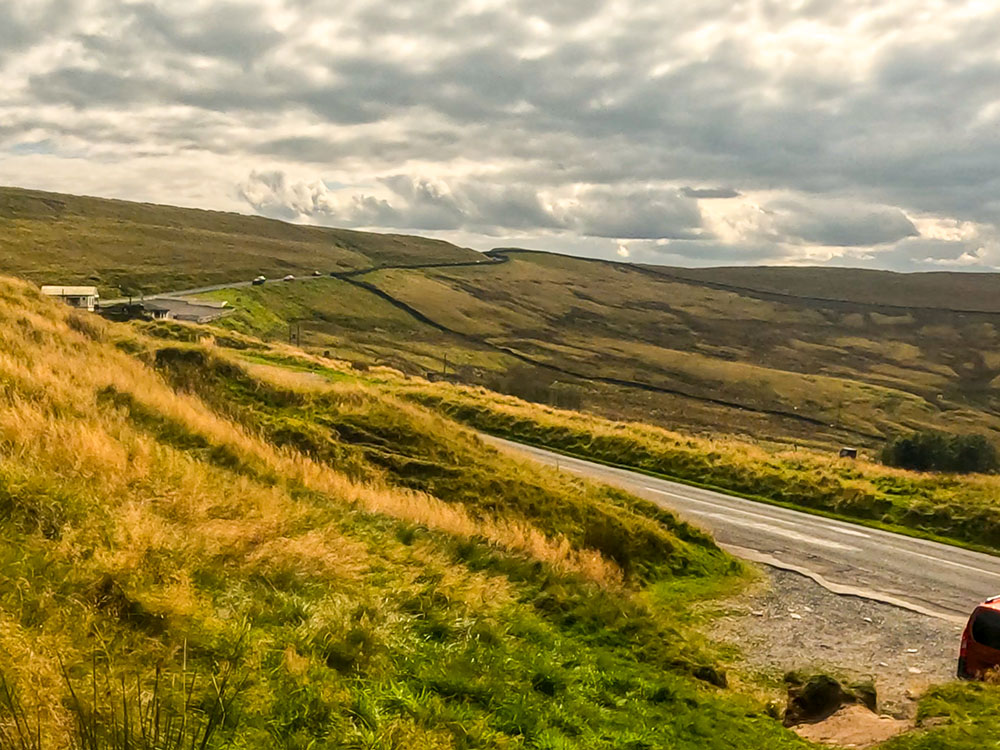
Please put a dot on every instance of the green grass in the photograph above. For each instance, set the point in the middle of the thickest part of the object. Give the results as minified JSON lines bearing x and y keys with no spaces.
{"x":956,"y":716}
{"x":946,"y":290}
{"x":958,"y":509}
{"x":859,"y":374}
{"x":352,"y":324}
{"x":212,"y":514}
{"x":742,"y":351}
{"x":369,"y":433}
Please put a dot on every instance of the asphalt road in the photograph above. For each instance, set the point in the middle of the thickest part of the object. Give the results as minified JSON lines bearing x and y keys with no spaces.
{"x":934,"y":579}
{"x":198,"y":290}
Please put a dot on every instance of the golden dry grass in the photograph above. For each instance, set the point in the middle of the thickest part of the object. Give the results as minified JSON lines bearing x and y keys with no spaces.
{"x":64,"y":369}
{"x":142,"y":510}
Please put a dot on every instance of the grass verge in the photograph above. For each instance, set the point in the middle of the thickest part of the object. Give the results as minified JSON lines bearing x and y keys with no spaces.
{"x":955,"y":509}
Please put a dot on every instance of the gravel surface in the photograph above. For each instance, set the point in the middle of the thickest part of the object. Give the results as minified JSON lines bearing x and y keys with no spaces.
{"x":791,"y":622}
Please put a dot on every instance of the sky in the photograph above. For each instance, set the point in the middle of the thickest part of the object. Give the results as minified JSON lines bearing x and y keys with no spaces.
{"x":715,"y":132}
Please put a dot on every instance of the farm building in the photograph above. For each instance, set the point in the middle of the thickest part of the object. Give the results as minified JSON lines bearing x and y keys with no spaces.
{"x":168,"y":308}
{"x":83,"y":297}
{"x":175,"y":308}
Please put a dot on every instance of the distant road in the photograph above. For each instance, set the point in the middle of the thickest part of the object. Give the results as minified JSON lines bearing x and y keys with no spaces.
{"x":485,"y":261}
{"x":935,"y":579}
{"x":185,"y":292}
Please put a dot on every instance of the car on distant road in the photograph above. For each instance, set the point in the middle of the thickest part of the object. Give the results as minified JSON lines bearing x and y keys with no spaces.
{"x":289,"y":277}
{"x":317,"y":273}
{"x":259,"y":280}
{"x":980,"y":649}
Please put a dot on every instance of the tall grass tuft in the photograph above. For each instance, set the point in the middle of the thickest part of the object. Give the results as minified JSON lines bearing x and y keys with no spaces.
{"x":109,"y":713}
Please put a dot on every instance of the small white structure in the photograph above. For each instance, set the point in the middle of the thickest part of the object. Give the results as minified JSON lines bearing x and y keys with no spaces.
{"x":83,"y":297}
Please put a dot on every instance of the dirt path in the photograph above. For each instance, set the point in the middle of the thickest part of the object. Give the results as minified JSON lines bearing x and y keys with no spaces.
{"x":789,"y":622}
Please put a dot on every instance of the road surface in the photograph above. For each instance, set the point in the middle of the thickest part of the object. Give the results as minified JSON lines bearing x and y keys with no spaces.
{"x":196,"y":290}
{"x":934,"y":579}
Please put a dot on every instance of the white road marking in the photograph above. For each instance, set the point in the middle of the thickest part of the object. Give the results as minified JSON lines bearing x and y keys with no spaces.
{"x":835,"y":545}
{"x":892,"y":544}
{"x":717,"y":506}
{"x":779,"y":531}
{"x":954,"y":564}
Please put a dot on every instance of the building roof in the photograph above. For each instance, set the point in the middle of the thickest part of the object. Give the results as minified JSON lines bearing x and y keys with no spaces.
{"x":184,"y":310}
{"x":70,"y":291}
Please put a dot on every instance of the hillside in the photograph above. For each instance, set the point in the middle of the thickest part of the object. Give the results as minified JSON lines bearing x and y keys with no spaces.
{"x":168,"y":507}
{"x":128,"y":248}
{"x":642,"y":344}
{"x":818,"y":356}
{"x":963,"y":291}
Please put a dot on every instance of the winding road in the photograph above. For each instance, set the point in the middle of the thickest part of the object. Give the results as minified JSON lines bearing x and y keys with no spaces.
{"x":933,"y":579}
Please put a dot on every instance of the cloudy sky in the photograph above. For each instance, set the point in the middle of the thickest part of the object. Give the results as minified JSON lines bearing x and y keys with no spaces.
{"x":849,"y":132}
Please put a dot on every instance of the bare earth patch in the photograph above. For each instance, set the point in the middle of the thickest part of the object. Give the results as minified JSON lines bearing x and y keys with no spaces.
{"x":853,"y":726}
{"x":792,"y":623}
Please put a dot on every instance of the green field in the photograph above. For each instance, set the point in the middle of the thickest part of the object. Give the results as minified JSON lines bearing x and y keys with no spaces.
{"x":622,"y":342}
{"x":936,"y":290}
{"x":859,"y":371}
{"x":959,"y":510}
{"x":364,"y":571}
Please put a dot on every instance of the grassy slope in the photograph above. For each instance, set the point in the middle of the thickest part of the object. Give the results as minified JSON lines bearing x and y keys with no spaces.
{"x":869,"y":372}
{"x":65,"y":239}
{"x":355,"y":325}
{"x":854,"y":375}
{"x":861,"y":372}
{"x":272,"y":522}
{"x":947,"y":290}
{"x":352,"y":324}
{"x":963,"y":714}
{"x":961,"y":509}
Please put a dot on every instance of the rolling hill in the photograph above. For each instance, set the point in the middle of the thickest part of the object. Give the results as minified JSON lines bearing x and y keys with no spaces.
{"x":818,"y":356}
{"x":648,"y":345}
{"x":129,"y":248}
{"x":316,"y":546}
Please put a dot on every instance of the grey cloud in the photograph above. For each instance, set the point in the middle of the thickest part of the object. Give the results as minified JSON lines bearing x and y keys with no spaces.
{"x":928,"y":254}
{"x":509,"y":207}
{"x":487,"y":207}
{"x":603,"y":94}
{"x":428,"y":206}
{"x":24,"y":23}
{"x":83,"y":87}
{"x":707,"y":193}
{"x":221,"y":29}
{"x":636,"y":214}
{"x":839,"y":223}
{"x":273,"y":195}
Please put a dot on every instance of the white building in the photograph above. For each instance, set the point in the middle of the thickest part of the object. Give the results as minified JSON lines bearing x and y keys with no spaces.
{"x":83,"y":297}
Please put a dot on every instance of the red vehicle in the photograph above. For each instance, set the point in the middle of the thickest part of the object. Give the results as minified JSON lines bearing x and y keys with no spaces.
{"x":980,"y":650}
